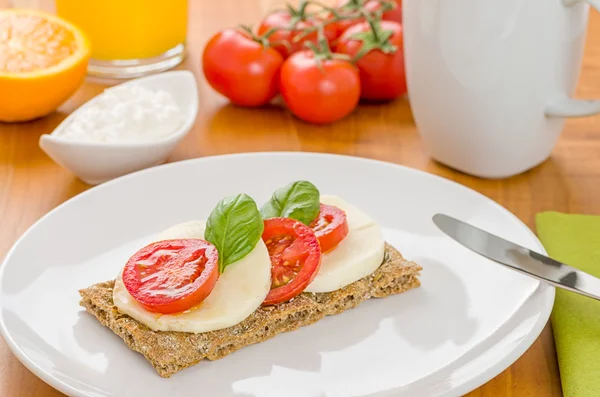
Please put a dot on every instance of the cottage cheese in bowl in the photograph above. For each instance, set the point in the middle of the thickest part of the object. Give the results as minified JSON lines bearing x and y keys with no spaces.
{"x":127,"y":128}
{"x":126,"y":113}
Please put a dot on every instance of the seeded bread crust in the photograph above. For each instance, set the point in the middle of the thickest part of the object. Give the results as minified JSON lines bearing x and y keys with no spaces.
{"x":170,"y":352}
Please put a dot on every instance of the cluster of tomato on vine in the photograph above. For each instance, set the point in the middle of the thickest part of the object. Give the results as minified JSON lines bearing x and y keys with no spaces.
{"x":322,"y":60}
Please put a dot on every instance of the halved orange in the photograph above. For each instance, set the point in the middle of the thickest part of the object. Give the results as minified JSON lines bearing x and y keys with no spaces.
{"x":43,"y":61}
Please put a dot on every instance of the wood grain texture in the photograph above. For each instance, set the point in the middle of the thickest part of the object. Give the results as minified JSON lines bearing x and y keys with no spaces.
{"x":31,"y":184}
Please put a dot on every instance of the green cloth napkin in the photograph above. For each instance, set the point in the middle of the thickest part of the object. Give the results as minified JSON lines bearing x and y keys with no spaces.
{"x":575,"y":240}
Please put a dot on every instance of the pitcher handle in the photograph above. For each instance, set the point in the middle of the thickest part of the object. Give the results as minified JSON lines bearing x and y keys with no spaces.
{"x":569,"y":107}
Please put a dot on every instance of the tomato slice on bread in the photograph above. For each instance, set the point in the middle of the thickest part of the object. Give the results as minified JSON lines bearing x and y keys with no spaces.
{"x":295,"y":258}
{"x":172,"y":276}
{"x":330,"y":227}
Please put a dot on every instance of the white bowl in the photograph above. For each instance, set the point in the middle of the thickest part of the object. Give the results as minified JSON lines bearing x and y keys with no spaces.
{"x":95,"y":163}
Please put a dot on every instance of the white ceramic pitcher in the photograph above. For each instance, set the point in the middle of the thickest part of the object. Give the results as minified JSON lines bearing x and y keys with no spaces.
{"x":490,"y":81}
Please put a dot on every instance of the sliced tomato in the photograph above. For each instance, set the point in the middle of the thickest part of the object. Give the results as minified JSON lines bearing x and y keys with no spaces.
{"x":330,"y":227}
{"x":172,"y":276}
{"x":295,"y":258}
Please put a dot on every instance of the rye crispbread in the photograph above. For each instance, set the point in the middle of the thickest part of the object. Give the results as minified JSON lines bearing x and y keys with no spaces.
{"x":170,"y":352}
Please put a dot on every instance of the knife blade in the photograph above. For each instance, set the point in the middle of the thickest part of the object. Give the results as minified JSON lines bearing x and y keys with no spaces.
{"x":519,"y":258}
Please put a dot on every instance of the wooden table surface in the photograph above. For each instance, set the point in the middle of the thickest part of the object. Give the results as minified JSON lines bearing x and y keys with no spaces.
{"x":31,"y":184}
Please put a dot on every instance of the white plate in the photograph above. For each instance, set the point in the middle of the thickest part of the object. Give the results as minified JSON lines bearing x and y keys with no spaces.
{"x":469,"y":320}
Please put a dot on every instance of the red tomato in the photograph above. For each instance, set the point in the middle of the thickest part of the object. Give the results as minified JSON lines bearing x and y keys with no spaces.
{"x":172,"y":276}
{"x":319,"y":94}
{"x":288,"y":27}
{"x":382,"y":76}
{"x":370,"y":6}
{"x":395,"y":14}
{"x":295,"y":258}
{"x":330,"y":227}
{"x":241,"y":69}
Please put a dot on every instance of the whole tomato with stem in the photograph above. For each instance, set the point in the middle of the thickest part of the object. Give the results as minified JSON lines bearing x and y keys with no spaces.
{"x":391,"y":11}
{"x":378,"y":51}
{"x":242,"y":67}
{"x":395,"y":14}
{"x":318,"y":86}
{"x":289,"y":30}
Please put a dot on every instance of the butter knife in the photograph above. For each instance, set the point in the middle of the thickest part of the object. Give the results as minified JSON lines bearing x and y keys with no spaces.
{"x":519,"y":258}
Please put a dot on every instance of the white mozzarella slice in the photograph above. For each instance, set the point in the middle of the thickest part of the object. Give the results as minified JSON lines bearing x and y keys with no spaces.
{"x":240,"y":290}
{"x":356,"y":256}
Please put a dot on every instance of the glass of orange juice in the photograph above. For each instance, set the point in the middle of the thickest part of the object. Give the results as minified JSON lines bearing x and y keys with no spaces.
{"x":130,"y":38}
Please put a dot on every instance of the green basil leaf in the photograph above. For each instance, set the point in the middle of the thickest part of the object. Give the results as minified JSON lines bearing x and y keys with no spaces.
{"x":299,"y":200}
{"x":234,"y":227}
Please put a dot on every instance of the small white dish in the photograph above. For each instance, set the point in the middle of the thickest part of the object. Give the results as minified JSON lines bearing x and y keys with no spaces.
{"x":95,"y":163}
{"x":468,"y":321}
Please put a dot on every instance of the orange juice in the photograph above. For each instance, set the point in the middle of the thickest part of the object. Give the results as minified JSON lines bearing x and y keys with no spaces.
{"x":128,"y":29}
